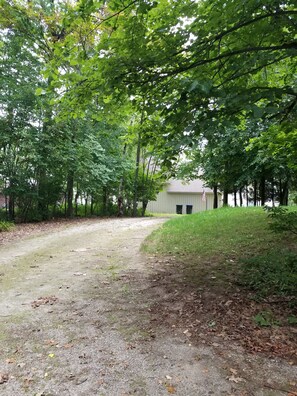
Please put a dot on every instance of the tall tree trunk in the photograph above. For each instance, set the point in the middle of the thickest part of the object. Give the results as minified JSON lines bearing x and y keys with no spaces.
{"x":262,"y":191}
{"x":135,"y":192}
{"x":272,"y":193}
{"x":6,"y":206}
{"x":247,"y":192}
{"x":240,"y":197}
{"x":75,"y":201}
{"x":287,"y":196}
{"x":121,"y":190}
{"x":92,"y":206}
{"x":11,"y":207}
{"x":225,"y":197}
{"x":11,"y":199}
{"x":137,"y":162}
{"x":255,"y":192}
{"x":43,"y":186}
{"x":65,"y":203}
{"x":235,"y":198}
{"x":42,"y":193}
{"x":283,"y":192}
{"x":215,"y":196}
{"x":104,"y":201}
{"x":70,"y":182}
{"x":144,"y":206}
{"x":86,"y":205}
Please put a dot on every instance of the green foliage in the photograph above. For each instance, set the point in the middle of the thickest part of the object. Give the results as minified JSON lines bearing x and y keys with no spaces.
{"x":6,"y":226}
{"x":265,"y":319}
{"x":222,"y":234}
{"x":292,"y":320}
{"x":282,"y":220}
{"x":236,"y":241}
{"x":274,"y":273}
{"x":83,"y":84}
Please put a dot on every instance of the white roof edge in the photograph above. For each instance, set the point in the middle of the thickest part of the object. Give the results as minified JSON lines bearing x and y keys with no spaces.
{"x":192,"y":186}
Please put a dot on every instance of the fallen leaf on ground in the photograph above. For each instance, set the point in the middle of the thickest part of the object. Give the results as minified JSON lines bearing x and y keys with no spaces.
{"x":43,"y":301}
{"x":50,"y":342}
{"x":3,"y":378}
{"x":235,"y":379}
{"x":81,"y":381}
{"x":100,"y":382}
{"x":170,"y":389}
{"x":27,"y":382}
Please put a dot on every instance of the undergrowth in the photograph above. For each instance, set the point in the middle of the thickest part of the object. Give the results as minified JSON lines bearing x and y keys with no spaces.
{"x":274,"y":273}
{"x":6,"y":226}
{"x":261,"y":259}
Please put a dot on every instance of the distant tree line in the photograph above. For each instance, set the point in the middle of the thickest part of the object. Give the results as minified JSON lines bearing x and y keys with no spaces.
{"x":98,"y":100}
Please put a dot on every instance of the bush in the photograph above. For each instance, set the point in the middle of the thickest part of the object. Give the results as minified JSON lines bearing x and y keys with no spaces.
{"x":272,"y":274}
{"x":283,"y":220}
{"x":6,"y":226}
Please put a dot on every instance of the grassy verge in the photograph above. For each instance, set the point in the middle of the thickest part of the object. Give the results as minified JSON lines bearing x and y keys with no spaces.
{"x":235,"y":242}
{"x":225,"y":275}
{"x":222,"y":232}
{"x":6,"y":226}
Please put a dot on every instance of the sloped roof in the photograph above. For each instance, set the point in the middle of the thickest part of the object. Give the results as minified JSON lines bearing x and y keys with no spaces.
{"x":193,"y":186}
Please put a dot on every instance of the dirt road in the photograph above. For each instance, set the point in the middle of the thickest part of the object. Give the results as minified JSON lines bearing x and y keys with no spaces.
{"x":75,"y":320}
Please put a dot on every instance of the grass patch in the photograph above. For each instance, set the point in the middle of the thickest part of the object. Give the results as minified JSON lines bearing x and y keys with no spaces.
{"x":6,"y":226}
{"x":169,"y":215}
{"x":227,"y":276}
{"x":235,"y":242}
{"x":274,"y":273}
{"x":216,"y":233}
{"x":266,"y":319}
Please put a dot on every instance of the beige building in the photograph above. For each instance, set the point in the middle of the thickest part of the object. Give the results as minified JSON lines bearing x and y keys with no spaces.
{"x":183,"y":198}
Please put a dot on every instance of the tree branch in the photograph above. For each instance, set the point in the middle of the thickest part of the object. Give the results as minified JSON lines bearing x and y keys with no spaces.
{"x":285,"y":46}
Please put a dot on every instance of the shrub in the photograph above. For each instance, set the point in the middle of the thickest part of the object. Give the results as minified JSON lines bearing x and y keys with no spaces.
{"x":272,"y":274}
{"x":6,"y":226}
{"x":266,"y":319}
{"x":282,"y":219}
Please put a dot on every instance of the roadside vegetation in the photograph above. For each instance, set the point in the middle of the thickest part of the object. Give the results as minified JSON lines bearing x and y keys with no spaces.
{"x":6,"y":226}
{"x":242,"y":272}
{"x":211,"y":81}
{"x":217,"y":233}
{"x":236,"y":240}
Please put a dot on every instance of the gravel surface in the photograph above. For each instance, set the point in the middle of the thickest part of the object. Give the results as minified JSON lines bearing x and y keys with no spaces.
{"x":75,"y":319}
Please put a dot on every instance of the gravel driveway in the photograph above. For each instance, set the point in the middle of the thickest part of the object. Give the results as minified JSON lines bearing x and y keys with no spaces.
{"x":75,"y":320}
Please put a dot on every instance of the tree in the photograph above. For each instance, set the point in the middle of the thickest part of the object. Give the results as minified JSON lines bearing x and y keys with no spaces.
{"x":172,"y":76}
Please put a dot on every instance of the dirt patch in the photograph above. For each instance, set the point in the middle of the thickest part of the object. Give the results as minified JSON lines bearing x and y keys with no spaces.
{"x":25,"y":230}
{"x":84,"y":313}
{"x":216,"y":313}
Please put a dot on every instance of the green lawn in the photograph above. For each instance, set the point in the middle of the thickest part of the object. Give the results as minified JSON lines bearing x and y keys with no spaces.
{"x":235,"y":241}
{"x":223,"y":232}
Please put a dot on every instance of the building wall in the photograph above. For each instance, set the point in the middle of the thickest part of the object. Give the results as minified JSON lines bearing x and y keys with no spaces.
{"x":166,"y":202}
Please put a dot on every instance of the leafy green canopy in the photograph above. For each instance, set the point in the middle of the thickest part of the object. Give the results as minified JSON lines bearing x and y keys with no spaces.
{"x":204,"y":74}
{"x":201,"y":64}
